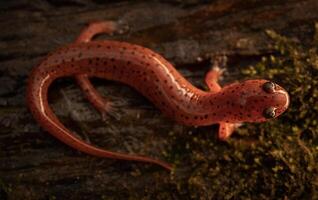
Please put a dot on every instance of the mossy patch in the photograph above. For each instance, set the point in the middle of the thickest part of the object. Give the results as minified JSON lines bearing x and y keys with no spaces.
{"x":274,"y":160}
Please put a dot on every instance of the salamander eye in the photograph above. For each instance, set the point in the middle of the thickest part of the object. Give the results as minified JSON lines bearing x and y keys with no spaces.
{"x":269,"y":87}
{"x":269,"y":113}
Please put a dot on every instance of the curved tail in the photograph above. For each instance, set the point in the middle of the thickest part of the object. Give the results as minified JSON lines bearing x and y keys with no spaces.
{"x":37,"y":100}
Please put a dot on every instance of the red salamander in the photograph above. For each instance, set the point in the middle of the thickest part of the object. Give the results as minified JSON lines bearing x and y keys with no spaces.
{"x":156,"y":79}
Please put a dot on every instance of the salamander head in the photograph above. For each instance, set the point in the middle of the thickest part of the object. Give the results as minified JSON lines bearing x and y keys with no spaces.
{"x":254,"y":101}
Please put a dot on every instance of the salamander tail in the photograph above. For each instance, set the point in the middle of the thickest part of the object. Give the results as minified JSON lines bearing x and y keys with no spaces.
{"x":38,"y":104}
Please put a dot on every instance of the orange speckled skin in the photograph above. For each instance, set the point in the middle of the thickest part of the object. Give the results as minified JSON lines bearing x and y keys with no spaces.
{"x":156,"y":79}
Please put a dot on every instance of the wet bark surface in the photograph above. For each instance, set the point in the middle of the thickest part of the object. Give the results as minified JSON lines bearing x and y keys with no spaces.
{"x":34,"y":165}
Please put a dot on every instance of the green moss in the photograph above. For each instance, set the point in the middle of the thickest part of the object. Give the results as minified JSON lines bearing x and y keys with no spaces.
{"x":269,"y":160}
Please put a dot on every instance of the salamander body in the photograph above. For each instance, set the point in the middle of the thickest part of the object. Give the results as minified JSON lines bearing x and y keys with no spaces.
{"x":156,"y":79}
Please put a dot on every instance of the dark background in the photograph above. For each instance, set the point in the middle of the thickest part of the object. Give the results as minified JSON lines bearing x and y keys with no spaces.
{"x":34,"y":165}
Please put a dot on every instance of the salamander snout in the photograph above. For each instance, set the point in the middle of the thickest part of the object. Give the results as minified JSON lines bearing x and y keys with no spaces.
{"x":278,"y":100}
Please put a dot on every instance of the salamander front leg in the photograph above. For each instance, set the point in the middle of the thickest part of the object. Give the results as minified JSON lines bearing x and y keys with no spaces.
{"x":226,"y":130}
{"x":211,"y":79}
{"x":101,"y":104}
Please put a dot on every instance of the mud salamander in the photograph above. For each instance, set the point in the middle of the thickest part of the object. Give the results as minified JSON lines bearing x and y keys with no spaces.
{"x":156,"y":79}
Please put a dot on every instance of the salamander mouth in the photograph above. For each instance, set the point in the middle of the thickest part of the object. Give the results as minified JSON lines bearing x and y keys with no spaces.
{"x":285,"y":96}
{"x":282,"y":97}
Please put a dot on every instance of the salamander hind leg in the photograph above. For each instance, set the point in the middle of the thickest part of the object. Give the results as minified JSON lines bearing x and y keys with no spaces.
{"x":104,"y":106}
{"x":101,"y":104}
{"x":96,"y":28}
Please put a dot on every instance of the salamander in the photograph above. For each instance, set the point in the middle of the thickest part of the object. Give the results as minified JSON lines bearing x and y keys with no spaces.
{"x":153,"y":77}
